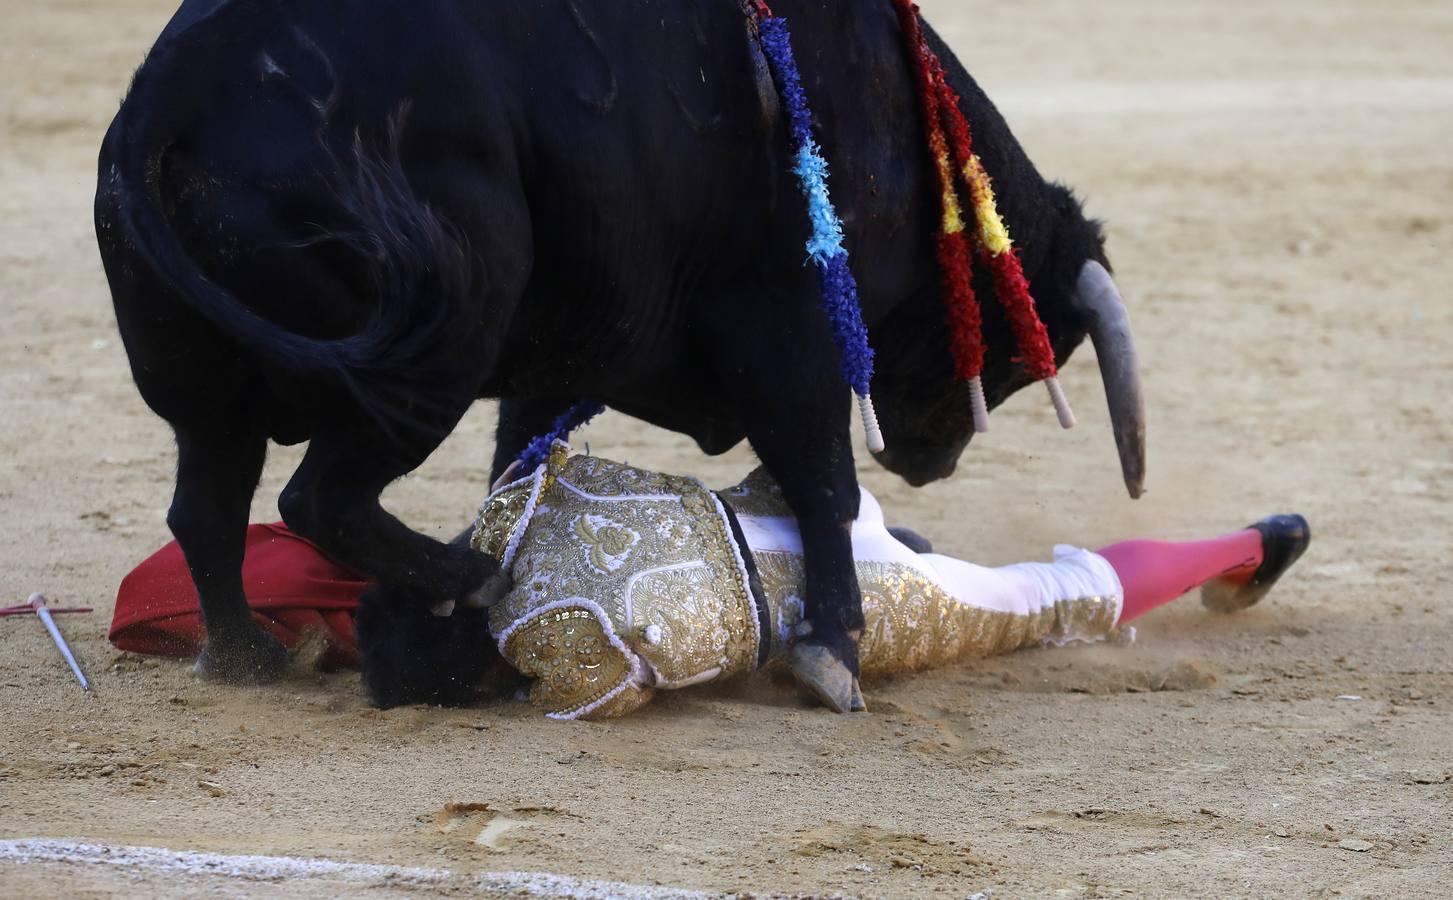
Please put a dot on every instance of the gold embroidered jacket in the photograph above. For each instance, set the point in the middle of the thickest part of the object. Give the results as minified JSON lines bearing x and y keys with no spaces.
{"x":628,"y":581}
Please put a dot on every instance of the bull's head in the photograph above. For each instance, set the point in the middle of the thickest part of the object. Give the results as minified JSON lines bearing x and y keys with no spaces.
{"x":924,"y":409}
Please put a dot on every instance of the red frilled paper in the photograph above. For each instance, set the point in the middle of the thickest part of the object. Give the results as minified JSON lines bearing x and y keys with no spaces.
{"x":290,"y":585}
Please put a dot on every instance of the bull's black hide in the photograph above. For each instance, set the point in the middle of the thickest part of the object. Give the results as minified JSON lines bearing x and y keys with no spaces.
{"x":343,"y":222}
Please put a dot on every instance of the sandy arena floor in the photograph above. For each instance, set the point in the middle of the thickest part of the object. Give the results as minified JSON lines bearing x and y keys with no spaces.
{"x":1277,"y":181}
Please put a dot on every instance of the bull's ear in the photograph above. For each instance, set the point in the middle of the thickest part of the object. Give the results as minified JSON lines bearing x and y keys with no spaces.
{"x":1098,"y":301}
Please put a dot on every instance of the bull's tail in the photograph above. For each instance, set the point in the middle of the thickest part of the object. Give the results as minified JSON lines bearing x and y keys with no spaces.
{"x":419,"y":269}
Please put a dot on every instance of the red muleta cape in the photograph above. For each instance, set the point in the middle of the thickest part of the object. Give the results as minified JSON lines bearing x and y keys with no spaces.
{"x":291,"y":587}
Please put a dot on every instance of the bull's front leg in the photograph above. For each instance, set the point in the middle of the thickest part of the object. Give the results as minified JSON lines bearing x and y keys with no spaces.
{"x":796,"y":410}
{"x":822,"y":490}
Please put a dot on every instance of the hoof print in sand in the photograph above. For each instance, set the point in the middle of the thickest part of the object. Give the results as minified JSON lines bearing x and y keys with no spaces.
{"x":478,"y":825}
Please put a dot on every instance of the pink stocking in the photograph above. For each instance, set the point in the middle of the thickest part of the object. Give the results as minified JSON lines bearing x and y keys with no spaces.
{"x":1153,"y":573}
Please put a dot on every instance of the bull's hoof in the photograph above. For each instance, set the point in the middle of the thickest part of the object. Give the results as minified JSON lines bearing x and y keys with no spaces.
{"x":820,"y":671}
{"x":254,"y":657}
{"x":1283,"y":541}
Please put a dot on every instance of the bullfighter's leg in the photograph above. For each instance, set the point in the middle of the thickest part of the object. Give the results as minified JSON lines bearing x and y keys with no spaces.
{"x":333,"y":501}
{"x":1236,"y":569}
{"x":217,"y":472}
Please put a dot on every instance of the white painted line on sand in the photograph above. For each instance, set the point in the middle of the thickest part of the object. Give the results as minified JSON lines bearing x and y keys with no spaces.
{"x":276,"y":868}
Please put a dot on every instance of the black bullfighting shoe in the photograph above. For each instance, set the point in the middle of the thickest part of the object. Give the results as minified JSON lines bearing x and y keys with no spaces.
{"x":912,"y":540}
{"x":1283,"y":541}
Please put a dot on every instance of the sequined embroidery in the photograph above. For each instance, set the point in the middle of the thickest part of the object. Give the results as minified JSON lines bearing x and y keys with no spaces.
{"x":653,"y":551}
{"x":914,"y":624}
{"x":566,"y":651}
{"x":499,"y":517}
{"x":610,"y":543}
{"x":693,"y":631}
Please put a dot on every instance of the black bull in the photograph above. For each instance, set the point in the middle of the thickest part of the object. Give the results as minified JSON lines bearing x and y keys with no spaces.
{"x":343,"y":223}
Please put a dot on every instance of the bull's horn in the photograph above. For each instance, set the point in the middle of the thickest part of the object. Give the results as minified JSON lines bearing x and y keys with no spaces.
{"x":1109,"y":325}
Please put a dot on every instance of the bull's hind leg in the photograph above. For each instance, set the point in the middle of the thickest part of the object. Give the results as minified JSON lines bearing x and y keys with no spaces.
{"x":217,"y":472}
{"x":333,"y":500}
